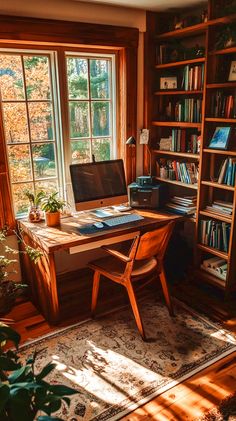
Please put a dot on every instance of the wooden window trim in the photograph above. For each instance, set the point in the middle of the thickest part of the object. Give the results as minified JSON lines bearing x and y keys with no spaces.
{"x":21,"y":32}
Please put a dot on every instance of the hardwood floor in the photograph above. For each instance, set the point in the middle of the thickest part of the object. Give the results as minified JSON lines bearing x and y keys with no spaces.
{"x":186,"y":401}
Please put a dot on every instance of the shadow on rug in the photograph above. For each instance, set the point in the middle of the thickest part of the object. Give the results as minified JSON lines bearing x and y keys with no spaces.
{"x":226,"y":411}
{"x":115,"y":371}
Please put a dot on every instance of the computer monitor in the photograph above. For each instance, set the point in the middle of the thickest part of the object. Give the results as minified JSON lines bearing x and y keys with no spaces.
{"x":98,"y":184}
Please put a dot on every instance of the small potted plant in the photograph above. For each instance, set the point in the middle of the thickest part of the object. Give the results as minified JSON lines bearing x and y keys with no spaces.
{"x":35,"y":214}
{"x":52,"y":206}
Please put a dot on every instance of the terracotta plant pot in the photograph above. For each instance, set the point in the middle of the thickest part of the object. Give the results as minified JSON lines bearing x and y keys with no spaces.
{"x":52,"y":219}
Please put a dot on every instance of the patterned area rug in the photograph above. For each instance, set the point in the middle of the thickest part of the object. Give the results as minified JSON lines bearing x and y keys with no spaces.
{"x":115,"y":371}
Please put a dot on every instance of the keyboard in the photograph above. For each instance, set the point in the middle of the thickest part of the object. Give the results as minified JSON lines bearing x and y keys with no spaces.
{"x":123,"y":219}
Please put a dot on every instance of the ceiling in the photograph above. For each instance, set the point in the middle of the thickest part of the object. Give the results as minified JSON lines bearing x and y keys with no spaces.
{"x":154,"y":5}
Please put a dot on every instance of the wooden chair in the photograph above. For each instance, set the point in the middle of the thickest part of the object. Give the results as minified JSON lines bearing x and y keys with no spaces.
{"x":145,"y":256}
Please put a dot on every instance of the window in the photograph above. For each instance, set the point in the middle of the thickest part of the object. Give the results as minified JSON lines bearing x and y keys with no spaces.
{"x":90,"y":97}
{"x":38,"y":154}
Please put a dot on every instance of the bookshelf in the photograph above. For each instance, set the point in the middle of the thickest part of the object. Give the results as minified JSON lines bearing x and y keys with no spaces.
{"x":203,"y":99}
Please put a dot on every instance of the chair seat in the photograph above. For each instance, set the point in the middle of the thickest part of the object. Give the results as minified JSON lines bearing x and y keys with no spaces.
{"x":115,"y":268}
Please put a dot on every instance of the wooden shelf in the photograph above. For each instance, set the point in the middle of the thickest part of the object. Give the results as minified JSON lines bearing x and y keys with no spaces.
{"x":216,"y":216}
{"x":221,"y":85}
{"x":180,"y":154}
{"x":222,"y":21}
{"x":219,"y":152}
{"x":178,"y":183}
{"x":217,"y":185}
{"x":211,"y":250}
{"x":169,"y":92}
{"x":221,"y":120}
{"x":180,"y":63}
{"x":176,"y":124}
{"x":210,"y":278}
{"x":185,"y":32}
{"x":231,"y":50}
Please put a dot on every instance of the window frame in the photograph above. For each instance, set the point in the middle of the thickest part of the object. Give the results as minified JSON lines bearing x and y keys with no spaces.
{"x":56,"y":35}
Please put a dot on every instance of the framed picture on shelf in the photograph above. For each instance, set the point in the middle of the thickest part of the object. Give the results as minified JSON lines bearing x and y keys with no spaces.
{"x":220,"y":138}
{"x":168,"y":82}
{"x":232,"y":72}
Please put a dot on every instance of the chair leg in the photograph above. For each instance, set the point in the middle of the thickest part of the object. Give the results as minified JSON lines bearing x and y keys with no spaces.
{"x":165,"y":290}
{"x":135,"y":309}
{"x":96,"y":282}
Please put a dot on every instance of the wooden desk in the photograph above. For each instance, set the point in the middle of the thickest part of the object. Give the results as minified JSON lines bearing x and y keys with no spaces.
{"x":43,"y":277}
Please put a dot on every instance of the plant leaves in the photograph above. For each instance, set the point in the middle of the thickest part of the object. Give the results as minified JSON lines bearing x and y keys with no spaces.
{"x":48,"y":418}
{"x":45,"y":371}
{"x":62,"y":390}
{"x":19,"y":374}
{"x":4,"y":395}
{"x":8,"y":364}
{"x":10,"y":335}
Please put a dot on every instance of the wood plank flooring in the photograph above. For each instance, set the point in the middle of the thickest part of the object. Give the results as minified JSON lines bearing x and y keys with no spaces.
{"x":186,"y":401}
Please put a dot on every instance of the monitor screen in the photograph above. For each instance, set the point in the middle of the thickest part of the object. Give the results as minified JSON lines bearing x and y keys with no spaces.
{"x":98,"y":184}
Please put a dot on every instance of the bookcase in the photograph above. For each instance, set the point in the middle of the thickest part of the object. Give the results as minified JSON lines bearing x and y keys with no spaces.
{"x":190,"y":110}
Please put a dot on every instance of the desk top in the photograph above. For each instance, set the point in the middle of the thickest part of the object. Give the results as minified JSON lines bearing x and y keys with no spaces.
{"x":67,"y":235}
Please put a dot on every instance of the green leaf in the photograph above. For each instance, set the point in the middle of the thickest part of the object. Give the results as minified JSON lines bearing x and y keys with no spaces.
{"x":45,"y":371}
{"x":19,"y":374}
{"x":55,"y":405}
{"x":61,"y":390}
{"x":10,"y":335}
{"x":8,"y":364}
{"x":48,"y":418}
{"x":67,"y":401}
{"x":4,"y":396}
{"x":20,"y":406}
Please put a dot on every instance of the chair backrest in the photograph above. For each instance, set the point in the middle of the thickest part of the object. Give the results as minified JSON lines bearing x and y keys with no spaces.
{"x":154,"y":243}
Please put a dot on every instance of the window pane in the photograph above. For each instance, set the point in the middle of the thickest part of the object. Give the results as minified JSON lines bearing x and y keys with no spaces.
{"x":101,"y":149}
{"x":99,"y":79}
{"x":11,"y":77}
{"x":80,"y":151}
{"x":37,"y":77}
{"x":79,"y":119}
{"x":100,"y":118}
{"x":21,"y":202}
{"x":15,"y":123}
{"x":40,"y":115}
{"x":19,"y":160}
{"x":77,"y":71}
{"x":49,"y":186}
{"x":44,"y":160}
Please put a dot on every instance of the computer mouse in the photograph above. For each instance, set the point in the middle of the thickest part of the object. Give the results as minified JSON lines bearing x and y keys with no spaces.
{"x":98,"y":224}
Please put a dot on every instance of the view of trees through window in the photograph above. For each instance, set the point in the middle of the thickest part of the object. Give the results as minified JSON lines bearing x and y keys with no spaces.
{"x":30,"y":118}
{"x":90,"y":105}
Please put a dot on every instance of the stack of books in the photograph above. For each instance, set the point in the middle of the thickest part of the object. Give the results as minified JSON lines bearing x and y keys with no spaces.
{"x":186,"y":172}
{"x":215,"y":234}
{"x":220,"y":207}
{"x":185,"y":205}
{"x":223,"y":105}
{"x":193,"y":77}
{"x":216,"y":266}
{"x":227,"y":172}
{"x":188,"y":110}
{"x":179,"y":143}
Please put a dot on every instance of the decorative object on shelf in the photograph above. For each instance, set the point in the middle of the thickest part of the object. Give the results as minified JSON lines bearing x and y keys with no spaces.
{"x":220,"y":138}
{"x":9,"y":289}
{"x":232,"y":72}
{"x":168,"y":82}
{"x":226,"y":38}
{"x":35,"y":213}
{"x":24,"y":392}
{"x":197,"y":51}
{"x":52,"y":206}
{"x":204,"y":16}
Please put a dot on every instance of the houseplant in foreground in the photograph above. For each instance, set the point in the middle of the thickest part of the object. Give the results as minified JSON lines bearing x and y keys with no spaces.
{"x":24,"y":394}
{"x":10,"y":289}
{"x":52,"y":205}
